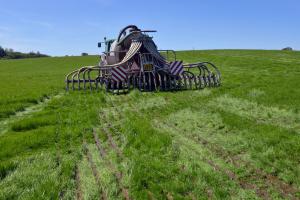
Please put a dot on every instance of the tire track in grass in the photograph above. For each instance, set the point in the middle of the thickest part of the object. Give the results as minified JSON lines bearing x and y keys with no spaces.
{"x":284,"y":189}
{"x":169,"y":196}
{"x":79,"y":193}
{"x":117,"y":174}
{"x":257,"y":174}
{"x":260,"y":192}
{"x":209,"y":192}
{"x":110,"y":138}
{"x":115,"y":146}
{"x":120,"y":155}
{"x":96,"y":174}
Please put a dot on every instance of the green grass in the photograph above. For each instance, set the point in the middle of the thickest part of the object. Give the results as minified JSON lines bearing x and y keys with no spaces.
{"x":239,"y":141}
{"x":25,"y":82}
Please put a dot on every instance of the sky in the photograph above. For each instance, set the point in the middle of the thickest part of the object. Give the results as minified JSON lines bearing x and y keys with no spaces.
{"x":70,"y":27}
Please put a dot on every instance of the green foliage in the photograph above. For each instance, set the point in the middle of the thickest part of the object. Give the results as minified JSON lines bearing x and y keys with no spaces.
{"x":2,"y":52}
{"x":11,"y":54}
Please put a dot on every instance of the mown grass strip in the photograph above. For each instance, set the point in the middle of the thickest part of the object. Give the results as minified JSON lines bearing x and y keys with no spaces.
{"x":262,"y":114}
{"x":102,"y":193}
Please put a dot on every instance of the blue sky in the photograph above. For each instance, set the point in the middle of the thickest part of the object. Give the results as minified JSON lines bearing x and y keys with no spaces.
{"x":69,"y":27}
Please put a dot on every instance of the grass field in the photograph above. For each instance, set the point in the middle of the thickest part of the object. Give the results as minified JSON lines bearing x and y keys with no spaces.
{"x":238,"y":141}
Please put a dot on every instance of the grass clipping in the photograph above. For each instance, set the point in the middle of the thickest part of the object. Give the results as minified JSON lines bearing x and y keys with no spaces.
{"x":262,"y":114}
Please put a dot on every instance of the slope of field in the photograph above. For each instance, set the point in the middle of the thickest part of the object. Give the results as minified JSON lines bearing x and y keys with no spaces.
{"x":239,"y":141}
{"x":26,"y":81}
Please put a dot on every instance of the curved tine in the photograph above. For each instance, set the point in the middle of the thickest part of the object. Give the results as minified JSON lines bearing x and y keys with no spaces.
{"x":200,"y":69}
{"x":180,"y":82}
{"x":97,"y":78}
{"x":88,"y":70}
{"x":190,"y":81}
{"x":102,"y":77}
{"x":212,"y":79}
{"x":133,"y":80}
{"x":203,"y":82}
{"x":149,"y":81}
{"x":128,"y":84}
{"x":196,"y":82}
{"x":97,"y":82}
{"x":199,"y":82}
{"x":74,"y":80}
{"x":139,"y":81}
{"x":218,"y":73}
{"x":67,"y":79}
{"x":84,"y":78}
{"x":78,"y":75}
{"x":203,"y":71}
{"x":144,"y":81}
{"x":171,"y":82}
{"x":154,"y":80}
{"x":205,"y":75}
{"x":106,"y":85}
{"x":215,"y":84}
{"x":184,"y":81}
{"x":209,"y":77}
{"x":90,"y":81}
{"x":189,"y":76}
{"x":118,"y":87}
{"x":162,"y":81}
{"x":209,"y":80}
{"x":166,"y":82}
{"x":175,"y":82}
{"x":159,"y":81}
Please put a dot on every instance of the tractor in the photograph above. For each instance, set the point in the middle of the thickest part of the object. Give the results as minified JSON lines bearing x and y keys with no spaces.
{"x":133,"y":61}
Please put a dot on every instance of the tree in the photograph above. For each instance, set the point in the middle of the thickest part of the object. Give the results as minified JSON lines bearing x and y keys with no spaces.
{"x":2,"y":52}
{"x":84,"y":54}
{"x":288,"y":49}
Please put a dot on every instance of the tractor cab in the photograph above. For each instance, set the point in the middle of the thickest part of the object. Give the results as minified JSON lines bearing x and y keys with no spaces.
{"x":108,"y":44}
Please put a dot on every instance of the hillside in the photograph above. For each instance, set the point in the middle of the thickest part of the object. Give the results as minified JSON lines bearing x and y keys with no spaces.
{"x":238,"y":141}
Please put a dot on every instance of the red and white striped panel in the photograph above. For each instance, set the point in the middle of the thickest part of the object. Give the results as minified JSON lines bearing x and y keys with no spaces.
{"x":118,"y":74}
{"x":176,"y":67}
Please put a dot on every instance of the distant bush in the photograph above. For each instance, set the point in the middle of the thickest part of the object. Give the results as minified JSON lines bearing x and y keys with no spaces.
{"x":2,"y":52}
{"x":84,"y":54}
{"x":11,"y":54}
{"x":288,"y":49}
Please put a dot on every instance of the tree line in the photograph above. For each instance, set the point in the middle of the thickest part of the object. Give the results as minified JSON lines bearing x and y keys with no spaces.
{"x":11,"y":54}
